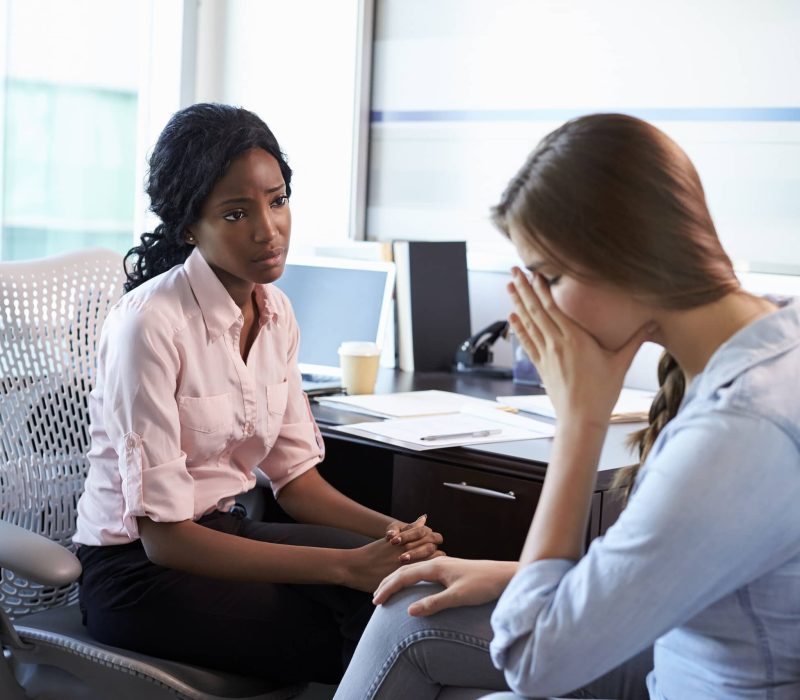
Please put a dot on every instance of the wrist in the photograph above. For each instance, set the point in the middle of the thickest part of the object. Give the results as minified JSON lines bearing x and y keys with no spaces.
{"x":580,"y":430}
{"x":509,"y":571}
{"x":343,"y":567}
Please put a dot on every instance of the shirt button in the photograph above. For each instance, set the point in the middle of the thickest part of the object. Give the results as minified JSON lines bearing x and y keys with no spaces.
{"x":248,"y":428}
{"x":130,"y":443}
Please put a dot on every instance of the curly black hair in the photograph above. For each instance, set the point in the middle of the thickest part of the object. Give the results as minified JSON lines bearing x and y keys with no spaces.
{"x":192,"y":153}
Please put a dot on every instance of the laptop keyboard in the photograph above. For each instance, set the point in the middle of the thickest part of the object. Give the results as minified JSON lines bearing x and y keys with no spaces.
{"x":321,"y":384}
{"x":319,"y":378}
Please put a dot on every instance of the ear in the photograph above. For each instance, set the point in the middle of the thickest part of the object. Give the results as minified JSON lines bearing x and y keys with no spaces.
{"x":189,"y":238}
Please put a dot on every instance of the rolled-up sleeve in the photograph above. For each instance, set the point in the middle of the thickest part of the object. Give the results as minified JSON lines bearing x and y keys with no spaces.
{"x":685,"y":540}
{"x":139,"y":364}
{"x":298,"y":446}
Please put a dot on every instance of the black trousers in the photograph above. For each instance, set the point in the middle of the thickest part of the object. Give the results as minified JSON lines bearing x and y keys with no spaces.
{"x":285,"y":632}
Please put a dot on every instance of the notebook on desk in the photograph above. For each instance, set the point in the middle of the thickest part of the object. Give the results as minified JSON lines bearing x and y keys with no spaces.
{"x":335,"y":300}
{"x":633,"y":405}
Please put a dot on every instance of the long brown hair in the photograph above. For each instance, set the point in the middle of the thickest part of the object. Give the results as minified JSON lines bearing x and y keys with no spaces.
{"x":610,"y":197}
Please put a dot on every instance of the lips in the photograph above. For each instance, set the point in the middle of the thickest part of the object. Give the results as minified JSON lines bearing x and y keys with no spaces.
{"x":270,"y":255}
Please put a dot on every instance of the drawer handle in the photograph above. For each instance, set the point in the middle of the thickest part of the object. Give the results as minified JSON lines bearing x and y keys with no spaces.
{"x":464,"y":486}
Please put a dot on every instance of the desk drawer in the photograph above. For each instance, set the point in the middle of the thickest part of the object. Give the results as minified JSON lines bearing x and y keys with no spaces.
{"x":481,"y":515}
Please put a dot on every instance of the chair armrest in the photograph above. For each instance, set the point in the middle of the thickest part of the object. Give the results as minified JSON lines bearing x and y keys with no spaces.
{"x":262,"y":479}
{"x":35,"y":557}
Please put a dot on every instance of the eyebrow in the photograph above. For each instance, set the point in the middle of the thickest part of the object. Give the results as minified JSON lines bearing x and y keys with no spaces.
{"x":245,"y":200}
{"x":533,"y":267}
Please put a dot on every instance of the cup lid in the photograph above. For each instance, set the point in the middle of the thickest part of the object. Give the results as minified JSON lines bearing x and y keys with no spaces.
{"x":359,"y":347}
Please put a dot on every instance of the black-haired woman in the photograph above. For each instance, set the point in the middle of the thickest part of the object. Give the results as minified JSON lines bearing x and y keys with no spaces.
{"x":197,"y":385}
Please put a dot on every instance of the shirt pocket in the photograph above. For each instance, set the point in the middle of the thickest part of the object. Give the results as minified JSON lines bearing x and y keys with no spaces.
{"x":277,"y":399}
{"x":206,"y":425}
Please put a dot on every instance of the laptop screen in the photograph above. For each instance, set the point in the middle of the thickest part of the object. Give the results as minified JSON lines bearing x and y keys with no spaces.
{"x":336,"y":300}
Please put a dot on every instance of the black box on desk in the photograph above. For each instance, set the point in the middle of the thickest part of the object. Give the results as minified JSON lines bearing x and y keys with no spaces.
{"x":432,"y":303}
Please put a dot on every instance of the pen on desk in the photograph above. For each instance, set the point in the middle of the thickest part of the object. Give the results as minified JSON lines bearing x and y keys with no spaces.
{"x":471,"y":434}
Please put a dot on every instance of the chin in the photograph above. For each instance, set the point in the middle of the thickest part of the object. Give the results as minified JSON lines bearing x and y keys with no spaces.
{"x":271,"y":275}
{"x":262,"y":274}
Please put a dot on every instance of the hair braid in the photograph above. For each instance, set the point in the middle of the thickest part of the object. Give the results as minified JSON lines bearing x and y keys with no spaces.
{"x":672,"y":385}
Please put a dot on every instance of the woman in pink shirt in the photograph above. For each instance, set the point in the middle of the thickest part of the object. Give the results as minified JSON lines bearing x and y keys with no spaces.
{"x":197,"y":385}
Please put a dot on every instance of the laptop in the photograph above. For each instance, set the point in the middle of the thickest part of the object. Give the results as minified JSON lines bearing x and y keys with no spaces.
{"x":335,"y":300}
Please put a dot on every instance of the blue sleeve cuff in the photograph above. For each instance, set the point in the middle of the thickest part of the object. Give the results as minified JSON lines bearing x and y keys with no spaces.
{"x":531,"y":590}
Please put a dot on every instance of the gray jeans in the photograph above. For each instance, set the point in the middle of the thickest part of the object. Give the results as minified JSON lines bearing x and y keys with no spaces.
{"x":446,"y":656}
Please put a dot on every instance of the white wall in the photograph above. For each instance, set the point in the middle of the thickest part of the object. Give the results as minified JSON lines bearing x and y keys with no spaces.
{"x":461,"y":98}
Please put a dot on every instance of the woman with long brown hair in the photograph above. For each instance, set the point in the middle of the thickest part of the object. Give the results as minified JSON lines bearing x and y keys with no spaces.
{"x":609,"y":217}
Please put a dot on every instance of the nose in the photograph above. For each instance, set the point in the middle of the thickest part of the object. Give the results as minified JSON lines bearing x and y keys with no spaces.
{"x":265,"y":227}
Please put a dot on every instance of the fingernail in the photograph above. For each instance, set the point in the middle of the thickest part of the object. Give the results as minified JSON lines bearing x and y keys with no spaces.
{"x":397,"y":540}
{"x":405,"y":557}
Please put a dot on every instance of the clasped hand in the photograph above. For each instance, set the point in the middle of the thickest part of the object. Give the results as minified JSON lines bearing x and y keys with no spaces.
{"x":403,"y":543}
{"x":416,"y":539}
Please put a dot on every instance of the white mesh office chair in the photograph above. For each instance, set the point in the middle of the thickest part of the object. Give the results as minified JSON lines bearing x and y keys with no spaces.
{"x":51,"y":313}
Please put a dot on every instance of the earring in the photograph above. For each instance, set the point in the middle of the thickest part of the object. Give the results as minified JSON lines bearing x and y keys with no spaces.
{"x":190,"y":239}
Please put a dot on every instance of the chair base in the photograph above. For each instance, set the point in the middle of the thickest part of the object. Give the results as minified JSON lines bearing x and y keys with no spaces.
{"x":60,"y":647}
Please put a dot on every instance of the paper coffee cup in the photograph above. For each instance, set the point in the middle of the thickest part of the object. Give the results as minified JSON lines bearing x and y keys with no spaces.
{"x":359,"y":361}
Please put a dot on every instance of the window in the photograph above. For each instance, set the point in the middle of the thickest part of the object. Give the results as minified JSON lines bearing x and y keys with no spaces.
{"x":69,"y":137}
{"x":85,"y":88}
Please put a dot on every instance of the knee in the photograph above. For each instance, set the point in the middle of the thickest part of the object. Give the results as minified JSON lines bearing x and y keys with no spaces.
{"x":392,"y":616}
{"x":467,"y":623}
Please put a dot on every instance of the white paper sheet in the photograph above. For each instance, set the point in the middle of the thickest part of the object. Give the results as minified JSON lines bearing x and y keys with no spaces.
{"x":405,"y":404}
{"x":409,"y":432}
{"x":632,"y":405}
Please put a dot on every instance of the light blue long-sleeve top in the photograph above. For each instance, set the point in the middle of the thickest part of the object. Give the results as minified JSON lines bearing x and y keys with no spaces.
{"x":705,"y":559}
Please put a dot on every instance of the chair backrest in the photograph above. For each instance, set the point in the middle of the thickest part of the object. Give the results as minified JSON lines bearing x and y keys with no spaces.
{"x":51,"y":313}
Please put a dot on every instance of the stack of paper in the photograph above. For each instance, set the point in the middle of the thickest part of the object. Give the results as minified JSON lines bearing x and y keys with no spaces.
{"x":633,"y":405}
{"x":452,"y":429}
{"x":427,"y":420}
{"x":405,"y":404}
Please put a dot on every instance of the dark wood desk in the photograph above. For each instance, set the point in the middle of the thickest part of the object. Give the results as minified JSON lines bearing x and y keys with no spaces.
{"x":480,"y":498}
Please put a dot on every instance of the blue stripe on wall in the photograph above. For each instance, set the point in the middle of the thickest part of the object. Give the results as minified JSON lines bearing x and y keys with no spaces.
{"x":694,"y":114}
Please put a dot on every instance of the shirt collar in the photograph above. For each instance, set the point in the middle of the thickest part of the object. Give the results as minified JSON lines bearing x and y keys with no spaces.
{"x":768,"y":337}
{"x":267,"y":315}
{"x":219,"y":310}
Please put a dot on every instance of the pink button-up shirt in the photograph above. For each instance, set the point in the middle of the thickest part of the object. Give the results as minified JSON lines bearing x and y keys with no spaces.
{"x":179,"y":421}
